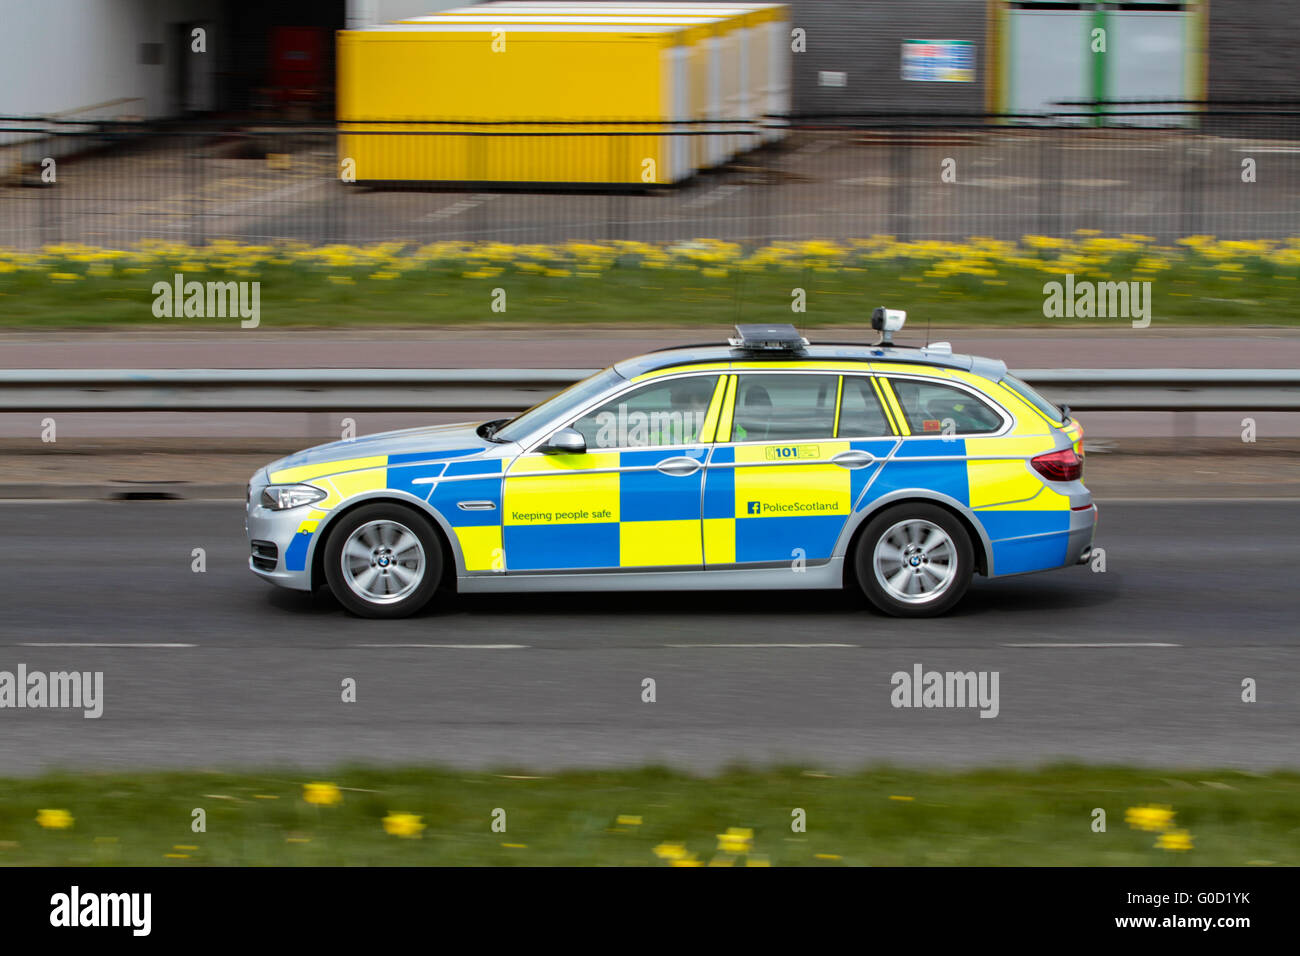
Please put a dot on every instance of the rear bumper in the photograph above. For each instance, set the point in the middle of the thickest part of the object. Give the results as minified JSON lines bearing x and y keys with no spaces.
{"x":1083,"y":527}
{"x":1064,"y":546}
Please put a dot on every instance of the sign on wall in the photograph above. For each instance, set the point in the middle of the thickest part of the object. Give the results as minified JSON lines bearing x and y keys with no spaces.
{"x":939,"y":61}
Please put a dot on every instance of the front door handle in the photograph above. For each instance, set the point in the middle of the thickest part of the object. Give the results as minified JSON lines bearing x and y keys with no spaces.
{"x":680,"y":466}
{"x":853,"y":458}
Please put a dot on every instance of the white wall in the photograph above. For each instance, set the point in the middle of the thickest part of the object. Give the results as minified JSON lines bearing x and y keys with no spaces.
{"x":366,"y":13}
{"x":81,"y":58}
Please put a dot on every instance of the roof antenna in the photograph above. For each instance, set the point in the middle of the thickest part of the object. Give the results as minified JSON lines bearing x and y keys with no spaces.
{"x":739,"y":279}
{"x":928,"y":319}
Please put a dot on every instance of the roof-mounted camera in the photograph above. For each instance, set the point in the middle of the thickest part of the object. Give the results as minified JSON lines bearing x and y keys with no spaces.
{"x":887,"y":322}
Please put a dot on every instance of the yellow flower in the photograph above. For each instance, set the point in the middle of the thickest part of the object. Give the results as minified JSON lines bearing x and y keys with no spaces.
{"x":322,"y":794}
{"x":403,"y":825}
{"x":735,"y":840}
{"x":671,"y":851}
{"x":54,"y":819}
{"x":627,"y":820}
{"x":1151,"y":817}
{"x":1174,"y":840}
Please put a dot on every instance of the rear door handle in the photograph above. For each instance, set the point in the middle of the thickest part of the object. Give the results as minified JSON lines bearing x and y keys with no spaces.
{"x":853,"y":458}
{"x":680,"y":466}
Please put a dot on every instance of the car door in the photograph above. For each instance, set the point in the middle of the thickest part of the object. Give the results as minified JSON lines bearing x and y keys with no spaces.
{"x":632,"y":500}
{"x":782,"y":478}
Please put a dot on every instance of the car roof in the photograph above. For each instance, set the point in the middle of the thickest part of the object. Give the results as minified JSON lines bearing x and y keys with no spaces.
{"x":846,"y":352}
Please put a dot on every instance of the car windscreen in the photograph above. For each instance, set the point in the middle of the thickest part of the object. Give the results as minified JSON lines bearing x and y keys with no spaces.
{"x":558,"y":407}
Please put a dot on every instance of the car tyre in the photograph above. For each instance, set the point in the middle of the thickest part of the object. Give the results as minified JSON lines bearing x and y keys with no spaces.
{"x":383,"y":561}
{"x":914,"y":560}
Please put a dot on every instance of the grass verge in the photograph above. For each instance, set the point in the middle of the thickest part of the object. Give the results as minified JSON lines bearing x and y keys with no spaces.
{"x":980,"y":283}
{"x":878,"y":817}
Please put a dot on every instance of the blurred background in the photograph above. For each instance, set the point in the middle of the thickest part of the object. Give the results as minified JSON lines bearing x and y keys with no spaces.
{"x":807,"y":120}
{"x":620,"y":177}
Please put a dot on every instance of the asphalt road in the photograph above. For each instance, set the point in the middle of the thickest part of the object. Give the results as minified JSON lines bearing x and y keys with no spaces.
{"x":1197,"y":596}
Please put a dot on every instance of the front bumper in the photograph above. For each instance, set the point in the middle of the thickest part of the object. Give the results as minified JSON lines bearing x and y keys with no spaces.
{"x":279,"y":541}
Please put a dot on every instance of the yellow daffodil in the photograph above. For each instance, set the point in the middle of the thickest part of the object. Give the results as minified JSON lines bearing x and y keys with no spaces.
{"x":322,"y":794}
{"x":407,"y":825}
{"x":54,"y":819}
{"x":1150,"y":817}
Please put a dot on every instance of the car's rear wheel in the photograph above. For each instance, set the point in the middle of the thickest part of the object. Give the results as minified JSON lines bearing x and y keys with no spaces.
{"x":383,"y":560}
{"x":914,"y":560}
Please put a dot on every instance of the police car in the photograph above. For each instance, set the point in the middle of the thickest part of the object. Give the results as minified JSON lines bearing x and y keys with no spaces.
{"x":765,"y":462}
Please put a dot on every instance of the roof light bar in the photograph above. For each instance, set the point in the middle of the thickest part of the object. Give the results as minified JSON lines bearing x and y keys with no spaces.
{"x":768,"y":338}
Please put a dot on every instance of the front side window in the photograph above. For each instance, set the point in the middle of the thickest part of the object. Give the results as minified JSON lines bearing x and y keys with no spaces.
{"x":661,"y":413}
{"x":791,"y":407}
{"x":573,"y":397}
{"x":932,"y":408}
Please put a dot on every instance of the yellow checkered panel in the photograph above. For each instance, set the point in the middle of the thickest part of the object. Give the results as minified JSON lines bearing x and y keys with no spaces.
{"x":603,"y":510}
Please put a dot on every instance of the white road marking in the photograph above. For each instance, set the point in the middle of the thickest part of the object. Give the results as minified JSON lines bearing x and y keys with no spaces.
{"x":96,"y":644}
{"x":712,"y":196}
{"x":456,"y":208}
{"x":463,"y":647}
{"x":762,"y":645}
{"x":1112,"y":644}
{"x":282,"y":193}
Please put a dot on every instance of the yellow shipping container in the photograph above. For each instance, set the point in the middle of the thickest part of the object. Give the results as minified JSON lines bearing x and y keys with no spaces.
{"x":453,"y":103}
{"x":714,"y":71}
{"x":765,"y":42}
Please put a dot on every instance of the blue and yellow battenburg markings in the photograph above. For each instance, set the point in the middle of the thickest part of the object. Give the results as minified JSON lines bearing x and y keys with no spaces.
{"x":602,"y":510}
{"x":748,"y":504}
{"x":415,"y":473}
{"x":776,"y":503}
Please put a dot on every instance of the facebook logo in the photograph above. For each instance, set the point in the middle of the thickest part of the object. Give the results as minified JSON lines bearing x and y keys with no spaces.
{"x":754,"y":508}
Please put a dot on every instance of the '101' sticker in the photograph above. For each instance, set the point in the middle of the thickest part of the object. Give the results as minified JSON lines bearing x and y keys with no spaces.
{"x":792,"y":451}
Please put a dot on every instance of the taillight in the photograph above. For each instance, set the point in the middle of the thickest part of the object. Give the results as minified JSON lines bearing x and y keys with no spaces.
{"x":1063,"y":465}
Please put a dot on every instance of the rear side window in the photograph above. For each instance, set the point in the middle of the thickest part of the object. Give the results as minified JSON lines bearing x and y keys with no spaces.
{"x":784,"y":407}
{"x":935,"y":409}
{"x":1026,"y":392}
{"x":860,"y":412}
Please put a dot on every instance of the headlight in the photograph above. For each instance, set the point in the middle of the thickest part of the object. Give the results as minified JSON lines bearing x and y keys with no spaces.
{"x":283,"y":497}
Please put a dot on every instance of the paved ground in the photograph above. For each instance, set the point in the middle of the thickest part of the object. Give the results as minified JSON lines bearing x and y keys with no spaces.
{"x":822,"y":185}
{"x":1196,"y":597}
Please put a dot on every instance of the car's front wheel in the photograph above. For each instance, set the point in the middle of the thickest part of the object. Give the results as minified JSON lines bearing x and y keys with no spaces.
{"x":383,"y":560}
{"x":914,"y":560}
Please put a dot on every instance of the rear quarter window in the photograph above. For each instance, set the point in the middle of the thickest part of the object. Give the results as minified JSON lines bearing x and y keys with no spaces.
{"x":1026,"y":392}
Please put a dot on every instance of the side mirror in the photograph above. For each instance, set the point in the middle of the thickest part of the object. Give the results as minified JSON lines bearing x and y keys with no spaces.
{"x":567,"y":441}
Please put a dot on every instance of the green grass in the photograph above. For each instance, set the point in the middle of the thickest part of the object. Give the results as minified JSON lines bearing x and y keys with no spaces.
{"x":297,"y":295}
{"x":986,"y":817}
